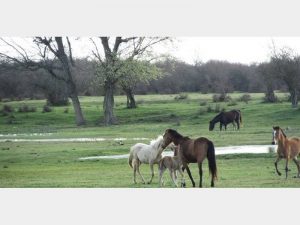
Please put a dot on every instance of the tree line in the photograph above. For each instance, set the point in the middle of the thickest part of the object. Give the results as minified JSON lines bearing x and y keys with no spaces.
{"x":127,"y":66}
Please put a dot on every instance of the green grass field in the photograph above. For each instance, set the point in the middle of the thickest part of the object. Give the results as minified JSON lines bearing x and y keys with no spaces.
{"x":56,"y":164}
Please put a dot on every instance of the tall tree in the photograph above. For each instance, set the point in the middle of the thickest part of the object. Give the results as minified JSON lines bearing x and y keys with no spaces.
{"x":49,"y":50}
{"x":286,"y":67}
{"x":135,"y":72}
{"x":116,"y":51}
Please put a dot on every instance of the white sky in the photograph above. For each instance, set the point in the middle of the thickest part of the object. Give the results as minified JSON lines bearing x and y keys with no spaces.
{"x":233,"y":49}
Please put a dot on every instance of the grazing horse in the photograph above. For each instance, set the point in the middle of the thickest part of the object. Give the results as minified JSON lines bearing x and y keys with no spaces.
{"x":193,"y":151}
{"x":225,"y":118}
{"x":173,"y":164}
{"x":148,"y":154}
{"x":288,"y":148}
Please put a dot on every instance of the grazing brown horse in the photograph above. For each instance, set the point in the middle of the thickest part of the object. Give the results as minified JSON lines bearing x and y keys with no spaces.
{"x":288,"y":148}
{"x":225,"y":118}
{"x":193,"y":151}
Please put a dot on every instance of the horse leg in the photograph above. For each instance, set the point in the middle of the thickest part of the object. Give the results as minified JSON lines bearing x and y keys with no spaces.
{"x":173,"y":177}
{"x":134,"y":173}
{"x":286,"y":168}
{"x":182,"y":177}
{"x":161,"y":172}
{"x":225,"y":127}
{"x":152,"y":173}
{"x":276,"y":162}
{"x":190,"y":175}
{"x":200,"y":173}
{"x":220,"y":126}
{"x":138,"y":170}
{"x":298,"y":166}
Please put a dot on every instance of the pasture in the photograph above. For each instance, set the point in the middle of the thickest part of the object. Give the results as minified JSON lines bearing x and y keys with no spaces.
{"x":56,"y":164}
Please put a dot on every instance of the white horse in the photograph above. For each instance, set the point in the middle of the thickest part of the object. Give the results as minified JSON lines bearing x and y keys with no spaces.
{"x":148,"y":154}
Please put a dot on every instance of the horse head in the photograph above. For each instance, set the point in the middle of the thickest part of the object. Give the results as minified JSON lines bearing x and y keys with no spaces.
{"x":278,"y":134}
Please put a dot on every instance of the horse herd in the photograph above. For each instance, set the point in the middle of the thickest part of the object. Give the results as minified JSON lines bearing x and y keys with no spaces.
{"x":187,"y":150}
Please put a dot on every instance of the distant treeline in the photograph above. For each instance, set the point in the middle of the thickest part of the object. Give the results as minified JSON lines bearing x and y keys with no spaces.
{"x":177,"y":76}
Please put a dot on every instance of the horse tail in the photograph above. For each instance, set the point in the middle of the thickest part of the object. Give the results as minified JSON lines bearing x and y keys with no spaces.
{"x":130,"y":157}
{"x":240,"y":117}
{"x":212,"y":165}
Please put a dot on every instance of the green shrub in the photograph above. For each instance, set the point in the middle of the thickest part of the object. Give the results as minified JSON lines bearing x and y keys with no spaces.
{"x":181,"y":96}
{"x":245,"y":98}
{"x":204,"y":103}
{"x":46,"y":108}
{"x":221,"y":98}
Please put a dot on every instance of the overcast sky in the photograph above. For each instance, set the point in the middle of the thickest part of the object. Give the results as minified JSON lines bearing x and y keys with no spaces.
{"x":233,"y":49}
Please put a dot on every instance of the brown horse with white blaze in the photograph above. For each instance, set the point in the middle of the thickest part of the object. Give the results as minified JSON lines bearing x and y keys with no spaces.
{"x":193,"y":151}
{"x":288,"y":148}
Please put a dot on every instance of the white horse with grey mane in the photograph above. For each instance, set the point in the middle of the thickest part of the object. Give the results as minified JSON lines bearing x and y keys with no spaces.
{"x":148,"y":154}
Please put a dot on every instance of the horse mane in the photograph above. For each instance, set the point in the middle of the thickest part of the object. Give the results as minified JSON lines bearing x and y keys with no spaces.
{"x":156,"y":141}
{"x":278,"y":128}
{"x":175,"y":134}
{"x":217,"y":117}
{"x":283,"y":132}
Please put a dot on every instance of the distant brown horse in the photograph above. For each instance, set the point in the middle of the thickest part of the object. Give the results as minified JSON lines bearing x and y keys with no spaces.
{"x":193,"y":151}
{"x":225,"y":118}
{"x":288,"y":148}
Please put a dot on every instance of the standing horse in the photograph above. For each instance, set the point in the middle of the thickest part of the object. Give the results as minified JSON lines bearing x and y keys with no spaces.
{"x":193,"y":151}
{"x":225,"y":118}
{"x":288,"y":148}
{"x":148,"y":154}
{"x":173,"y":164}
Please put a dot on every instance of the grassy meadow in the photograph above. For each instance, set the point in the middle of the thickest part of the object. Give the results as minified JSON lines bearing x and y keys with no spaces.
{"x":56,"y":164}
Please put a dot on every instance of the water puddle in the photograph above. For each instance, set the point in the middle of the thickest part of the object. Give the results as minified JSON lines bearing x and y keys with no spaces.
{"x":70,"y":139}
{"x":26,"y":135}
{"x":242,"y":149}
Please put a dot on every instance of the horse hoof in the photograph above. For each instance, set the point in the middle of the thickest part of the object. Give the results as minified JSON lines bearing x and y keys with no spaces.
{"x":148,"y":182}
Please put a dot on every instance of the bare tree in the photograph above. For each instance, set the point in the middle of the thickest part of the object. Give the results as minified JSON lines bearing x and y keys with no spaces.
{"x":48,"y":51}
{"x":266,"y":71}
{"x":286,"y":67}
{"x":116,"y":52}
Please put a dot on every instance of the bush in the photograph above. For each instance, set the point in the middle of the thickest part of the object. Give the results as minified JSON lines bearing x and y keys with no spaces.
{"x":46,"y":108}
{"x":245,"y":98}
{"x":181,"y":96}
{"x":66,"y":110}
{"x":26,"y":108}
{"x":7,"y":110}
{"x":267,"y":99}
{"x":221,"y":98}
{"x":203,"y":103}
{"x":232,"y":103}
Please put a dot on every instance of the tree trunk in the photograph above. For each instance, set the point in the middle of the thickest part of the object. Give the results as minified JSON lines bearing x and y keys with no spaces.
{"x":77,"y":109}
{"x":71,"y":84}
{"x":108,"y":105}
{"x":294,"y":98}
{"x":270,"y":95}
{"x":131,"y":104}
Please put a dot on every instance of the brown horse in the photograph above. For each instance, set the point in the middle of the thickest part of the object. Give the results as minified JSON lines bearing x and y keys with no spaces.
{"x":225,"y":118}
{"x":173,"y":164}
{"x":288,"y":148}
{"x":193,"y":151}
